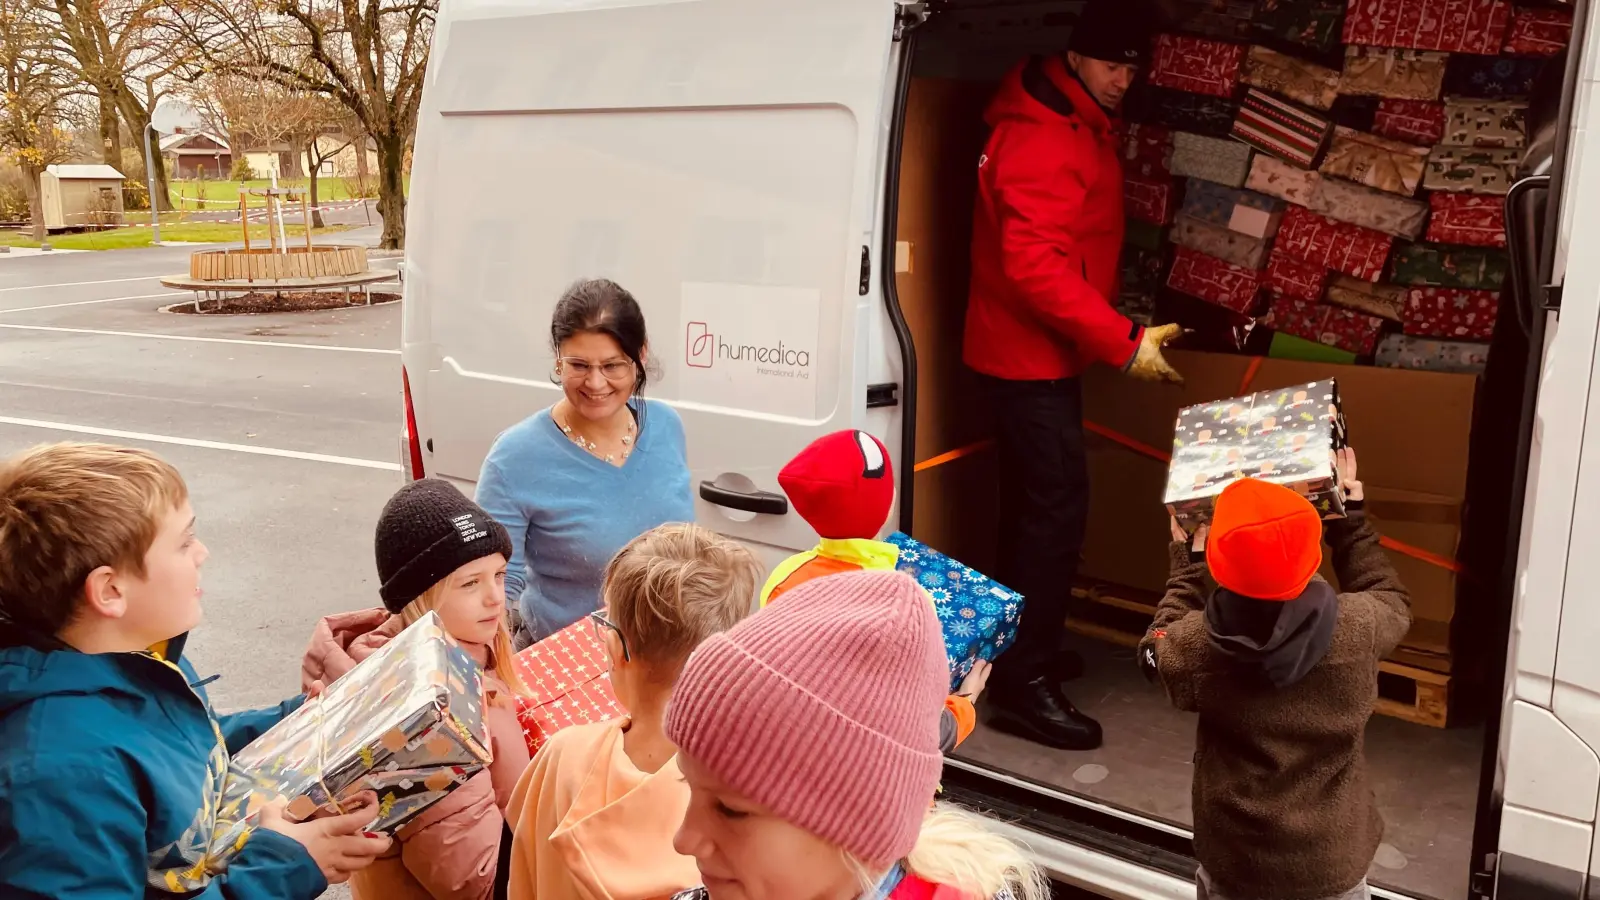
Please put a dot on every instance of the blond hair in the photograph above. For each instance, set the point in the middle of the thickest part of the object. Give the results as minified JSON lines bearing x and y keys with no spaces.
{"x":674,"y":586}
{"x":957,"y":849}
{"x":67,"y":509}
{"x":502,"y":656}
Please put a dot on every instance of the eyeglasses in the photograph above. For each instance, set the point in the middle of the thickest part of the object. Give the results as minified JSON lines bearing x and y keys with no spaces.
{"x":602,"y":625}
{"x":571,"y":368}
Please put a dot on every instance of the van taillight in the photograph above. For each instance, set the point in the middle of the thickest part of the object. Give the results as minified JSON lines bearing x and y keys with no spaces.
{"x":413,"y":448}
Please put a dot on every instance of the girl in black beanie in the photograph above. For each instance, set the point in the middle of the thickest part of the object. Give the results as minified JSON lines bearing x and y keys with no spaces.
{"x":437,"y":551}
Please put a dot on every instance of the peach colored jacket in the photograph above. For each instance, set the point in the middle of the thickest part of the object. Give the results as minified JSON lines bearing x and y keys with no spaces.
{"x":449,"y":852}
{"x":591,"y":826}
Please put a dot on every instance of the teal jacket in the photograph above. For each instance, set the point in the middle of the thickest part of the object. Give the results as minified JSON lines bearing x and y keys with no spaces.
{"x":111,"y":769}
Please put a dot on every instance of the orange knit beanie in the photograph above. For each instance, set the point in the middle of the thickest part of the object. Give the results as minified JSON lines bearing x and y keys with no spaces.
{"x":1265,"y":540}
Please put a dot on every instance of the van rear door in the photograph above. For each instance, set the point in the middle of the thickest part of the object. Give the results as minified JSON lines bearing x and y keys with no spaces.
{"x":718,"y":158}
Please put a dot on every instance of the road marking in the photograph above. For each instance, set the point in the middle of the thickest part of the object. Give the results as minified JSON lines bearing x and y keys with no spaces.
{"x":86,"y":302}
{"x":40,"y":287}
{"x":201,"y":340}
{"x":206,"y":445}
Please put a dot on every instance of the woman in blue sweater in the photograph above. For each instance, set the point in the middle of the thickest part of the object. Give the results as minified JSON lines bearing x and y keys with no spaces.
{"x":575,"y":482}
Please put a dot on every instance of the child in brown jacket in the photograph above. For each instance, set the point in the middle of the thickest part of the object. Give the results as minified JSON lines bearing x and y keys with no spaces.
{"x":1283,"y":671}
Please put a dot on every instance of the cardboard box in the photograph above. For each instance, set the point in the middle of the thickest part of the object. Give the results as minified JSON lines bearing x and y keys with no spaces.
{"x":1413,"y":497}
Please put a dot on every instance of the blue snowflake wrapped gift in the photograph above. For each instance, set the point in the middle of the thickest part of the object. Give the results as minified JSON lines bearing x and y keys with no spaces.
{"x":979,"y":616}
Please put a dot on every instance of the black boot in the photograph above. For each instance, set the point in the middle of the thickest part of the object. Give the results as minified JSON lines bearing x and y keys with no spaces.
{"x":1039,"y":712}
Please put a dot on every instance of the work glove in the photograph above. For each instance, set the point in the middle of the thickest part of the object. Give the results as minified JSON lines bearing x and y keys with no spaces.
{"x":1148,"y":364}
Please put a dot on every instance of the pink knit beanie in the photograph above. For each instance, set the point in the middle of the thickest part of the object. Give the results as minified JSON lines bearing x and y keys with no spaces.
{"x":824,"y":708}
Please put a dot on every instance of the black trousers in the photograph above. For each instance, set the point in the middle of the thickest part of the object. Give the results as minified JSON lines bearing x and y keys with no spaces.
{"x":1044,"y":511}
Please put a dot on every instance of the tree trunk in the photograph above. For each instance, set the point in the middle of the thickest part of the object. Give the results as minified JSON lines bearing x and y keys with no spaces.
{"x":110,"y":134}
{"x":315,"y":162}
{"x":392,"y":190}
{"x":31,"y":186}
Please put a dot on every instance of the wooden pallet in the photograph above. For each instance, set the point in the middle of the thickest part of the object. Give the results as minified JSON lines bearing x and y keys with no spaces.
{"x":1121,"y":616}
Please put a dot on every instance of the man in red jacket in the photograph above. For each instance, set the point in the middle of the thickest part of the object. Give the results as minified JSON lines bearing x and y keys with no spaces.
{"x":1047,"y":235}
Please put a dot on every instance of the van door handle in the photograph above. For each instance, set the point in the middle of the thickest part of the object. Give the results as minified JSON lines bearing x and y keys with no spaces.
{"x":763,"y":502}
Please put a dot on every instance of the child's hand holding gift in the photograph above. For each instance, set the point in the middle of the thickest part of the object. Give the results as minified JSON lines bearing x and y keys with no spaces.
{"x":340,"y":844}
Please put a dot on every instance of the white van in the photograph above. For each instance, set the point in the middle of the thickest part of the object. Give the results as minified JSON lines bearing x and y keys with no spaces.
{"x":738,"y":165}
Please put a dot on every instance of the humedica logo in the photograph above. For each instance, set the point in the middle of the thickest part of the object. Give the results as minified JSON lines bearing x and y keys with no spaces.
{"x":702,"y":348}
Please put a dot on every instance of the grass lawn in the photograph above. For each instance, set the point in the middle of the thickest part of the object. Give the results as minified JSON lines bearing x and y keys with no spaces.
{"x":128,"y":238}
{"x":223,"y":194}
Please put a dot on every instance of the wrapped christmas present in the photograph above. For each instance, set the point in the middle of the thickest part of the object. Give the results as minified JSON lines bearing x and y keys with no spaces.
{"x":1388,"y":165}
{"x":1301,"y":81}
{"x":1346,"y":329}
{"x":1453,"y":313}
{"x":1485,"y":123}
{"x":1180,"y":111}
{"x":1210,"y":279}
{"x":1473,"y":220}
{"x":1282,"y":129}
{"x":1236,"y":209}
{"x":978,"y":616}
{"x":569,"y":683}
{"x":1433,"y":265}
{"x":1290,"y":277}
{"x":1144,"y":235}
{"x":1403,"y":351}
{"x":1287,"y":436}
{"x":1386,"y":301}
{"x":1220,"y":242}
{"x":1387,"y":72}
{"x":1490,"y":77}
{"x":1143,"y":272}
{"x":1357,"y":252}
{"x":1287,"y":346}
{"x":1152,"y":200}
{"x":407,"y":722}
{"x":1538,"y":31}
{"x":1454,"y":26}
{"x":1472,"y":170}
{"x":1196,"y":65}
{"x":1275,"y":178}
{"x":1354,"y":111}
{"x":1310,"y":23}
{"x":1229,"y":20}
{"x":1413,"y":121}
{"x":1218,"y":160}
{"x":1147,"y":151}
{"x":1368,"y":208}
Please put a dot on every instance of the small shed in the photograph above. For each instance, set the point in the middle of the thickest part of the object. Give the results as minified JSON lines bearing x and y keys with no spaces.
{"x":81,"y":197}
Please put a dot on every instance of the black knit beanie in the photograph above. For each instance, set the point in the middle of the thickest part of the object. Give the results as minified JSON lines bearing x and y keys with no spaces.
{"x":429,"y":529}
{"x":1112,"y":31}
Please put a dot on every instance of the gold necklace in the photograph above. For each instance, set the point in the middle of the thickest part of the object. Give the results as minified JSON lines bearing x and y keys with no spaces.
{"x":593,"y":450}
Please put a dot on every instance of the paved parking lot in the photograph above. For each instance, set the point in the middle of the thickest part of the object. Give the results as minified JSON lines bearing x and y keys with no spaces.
{"x":286,"y":427}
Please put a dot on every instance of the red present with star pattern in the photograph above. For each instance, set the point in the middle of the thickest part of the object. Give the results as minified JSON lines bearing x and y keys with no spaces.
{"x":1196,"y":65}
{"x":1346,"y":329}
{"x":1414,"y":121}
{"x":1539,"y":32}
{"x":1290,"y":277}
{"x":1147,"y":151}
{"x":1214,"y":281}
{"x":1356,"y":251}
{"x":1474,"y":220}
{"x":1454,"y":26}
{"x":570,"y":683}
{"x":1150,"y":199}
{"x":1453,"y":313}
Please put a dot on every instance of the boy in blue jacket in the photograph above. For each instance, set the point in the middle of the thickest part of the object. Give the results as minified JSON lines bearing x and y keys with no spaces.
{"x":111,"y":760}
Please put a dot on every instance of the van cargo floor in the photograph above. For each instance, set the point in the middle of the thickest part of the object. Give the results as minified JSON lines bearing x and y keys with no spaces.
{"x":1426,"y":779}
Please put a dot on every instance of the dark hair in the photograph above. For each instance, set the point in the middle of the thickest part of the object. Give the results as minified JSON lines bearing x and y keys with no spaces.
{"x":602,"y":306}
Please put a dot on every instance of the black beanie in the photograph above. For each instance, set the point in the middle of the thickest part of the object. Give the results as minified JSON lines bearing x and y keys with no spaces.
{"x":429,"y":529}
{"x":1113,"y":31}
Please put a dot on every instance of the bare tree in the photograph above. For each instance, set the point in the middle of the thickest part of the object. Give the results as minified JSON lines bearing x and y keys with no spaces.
{"x":35,"y":90}
{"x":367,"y":55}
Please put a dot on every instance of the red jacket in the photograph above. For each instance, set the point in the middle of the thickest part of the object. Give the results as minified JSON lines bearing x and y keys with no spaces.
{"x":1047,"y":233}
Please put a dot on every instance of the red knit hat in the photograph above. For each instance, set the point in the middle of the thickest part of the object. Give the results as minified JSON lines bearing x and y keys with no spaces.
{"x":1265,"y":540}
{"x":842,"y":485}
{"x":825,"y":710}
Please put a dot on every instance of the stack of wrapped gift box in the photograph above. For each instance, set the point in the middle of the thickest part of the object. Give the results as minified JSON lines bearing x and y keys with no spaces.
{"x":1335,"y":173}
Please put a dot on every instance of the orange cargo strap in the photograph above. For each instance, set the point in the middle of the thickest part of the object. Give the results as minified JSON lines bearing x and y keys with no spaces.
{"x":952,"y":456}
